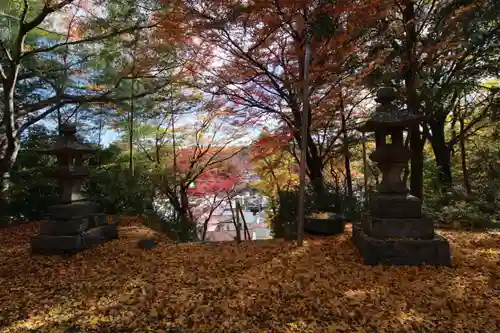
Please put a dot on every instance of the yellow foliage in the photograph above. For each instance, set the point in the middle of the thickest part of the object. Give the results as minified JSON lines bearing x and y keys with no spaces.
{"x":276,"y":171}
{"x":269,"y":286}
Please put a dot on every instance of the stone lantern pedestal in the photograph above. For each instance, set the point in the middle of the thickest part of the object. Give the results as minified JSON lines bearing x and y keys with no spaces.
{"x":76,"y":223}
{"x":395,"y":232}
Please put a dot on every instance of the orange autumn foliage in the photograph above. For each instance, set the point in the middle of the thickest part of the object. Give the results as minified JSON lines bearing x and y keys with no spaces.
{"x":252,"y":54}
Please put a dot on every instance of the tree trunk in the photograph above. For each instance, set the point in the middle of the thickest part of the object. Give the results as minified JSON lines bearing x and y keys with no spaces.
{"x":131,"y":115}
{"x":205,"y":228}
{"x":315,"y":166}
{"x":316,"y":178}
{"x":313,"y":162}
{"x":412,"y":100}
{"x":442,"y":153}
{"x":347,"y":159}
{"x":245,"y":226}
{"x":8,"y":156}
{"x":463,"y":156}
{"x":313,"y":159}
{"x":131,"y":135}
{"x":406,"y":171}
{"x":416,"y":163}
{"x":9,"y":139}
{"x":236,"y":221}
{"x":185,"y":205}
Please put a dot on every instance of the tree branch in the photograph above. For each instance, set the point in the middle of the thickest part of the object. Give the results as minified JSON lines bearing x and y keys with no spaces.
{"x":91,"y":39}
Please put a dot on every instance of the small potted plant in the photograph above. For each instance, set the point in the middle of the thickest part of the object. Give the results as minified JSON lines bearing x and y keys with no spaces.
{"x":324,"y":223}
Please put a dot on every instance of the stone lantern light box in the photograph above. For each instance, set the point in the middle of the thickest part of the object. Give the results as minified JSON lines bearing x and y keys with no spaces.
{"x":395,"y":232}
{"x":75,"y":223}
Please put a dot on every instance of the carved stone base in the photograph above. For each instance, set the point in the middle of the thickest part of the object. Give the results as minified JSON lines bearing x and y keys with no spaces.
{"x":69,"y":244}
{"x":384,"y":228}
{"x":403,"y":206}
{"x":435,"y":251}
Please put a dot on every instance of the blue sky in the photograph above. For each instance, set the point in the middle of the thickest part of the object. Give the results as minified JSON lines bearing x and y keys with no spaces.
{"x":109,"y":136}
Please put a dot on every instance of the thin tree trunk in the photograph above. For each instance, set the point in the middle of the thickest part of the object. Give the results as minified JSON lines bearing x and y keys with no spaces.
{"x":365,"y":172}
{"x":99,"y":139}
{"x":406,"y":171}
{"x":131,"y":134}
{"x":412,"y":100}
{"x":442,"y":153}
{"x":236,"y":221}
{"x":132,"y":113}
{"x":463,"y":156}
{"x":99,"y":132}
{"x":417,"y":163}
{"x":9,"y":140}
{"x":347,"y":158}
{"x":304,"y":147}
{"x":245,"y":227}
{"x":174,"y":155}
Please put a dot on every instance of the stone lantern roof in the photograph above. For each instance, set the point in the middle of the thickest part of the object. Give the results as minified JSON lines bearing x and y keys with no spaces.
{"x":67,"y":144}
{"x":387,"y":115}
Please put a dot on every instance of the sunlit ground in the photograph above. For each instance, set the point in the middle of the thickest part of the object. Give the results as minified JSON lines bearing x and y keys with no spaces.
{"x":265,"y":286}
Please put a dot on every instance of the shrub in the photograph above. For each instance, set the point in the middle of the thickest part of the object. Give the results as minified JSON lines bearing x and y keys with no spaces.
{"x":118,"y":192}
{"x":175,"y":228}
{"x":284,"y":222}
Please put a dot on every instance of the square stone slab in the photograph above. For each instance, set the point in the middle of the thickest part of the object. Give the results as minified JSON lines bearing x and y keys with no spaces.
{"x":414,"y":252}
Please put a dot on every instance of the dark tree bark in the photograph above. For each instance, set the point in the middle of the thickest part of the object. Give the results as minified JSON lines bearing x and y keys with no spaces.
{"x":442,"y":152}
{"x":463,"y":156}
{"x":314,"y":164}
{"x":412,"y":99}
{"x":347,"y":158}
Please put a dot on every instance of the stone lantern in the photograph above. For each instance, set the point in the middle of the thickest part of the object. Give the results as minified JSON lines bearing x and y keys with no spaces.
{"x":395,"y":232}
{"x":75,"y":223}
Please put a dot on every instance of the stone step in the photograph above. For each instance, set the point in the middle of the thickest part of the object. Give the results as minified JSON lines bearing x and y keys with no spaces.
{"x":73,"y":226}
{"x":47,"y":244}
{"x":63,"y":228}
{"x":59,"y":244}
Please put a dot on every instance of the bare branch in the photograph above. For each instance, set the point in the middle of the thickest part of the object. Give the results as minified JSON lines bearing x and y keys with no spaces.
{"x":47,"y":9}
{"x":91,"y":39}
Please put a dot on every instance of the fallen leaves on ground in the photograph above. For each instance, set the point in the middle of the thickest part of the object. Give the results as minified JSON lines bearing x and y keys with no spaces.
{"x":263,"y":286}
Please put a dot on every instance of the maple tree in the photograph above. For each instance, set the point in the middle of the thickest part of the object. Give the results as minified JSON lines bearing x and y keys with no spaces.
{"x":210,"y":142}
{"x":274,"y":164}
{"x":215,"y":188}
{"x":257,"y":52}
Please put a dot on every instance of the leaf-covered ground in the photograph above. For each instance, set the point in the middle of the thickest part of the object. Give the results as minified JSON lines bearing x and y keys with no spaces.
{"x":266,"y":286}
